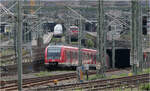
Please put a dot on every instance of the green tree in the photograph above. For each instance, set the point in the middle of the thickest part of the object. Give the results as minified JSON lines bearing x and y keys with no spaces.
{"x":89,"y":43}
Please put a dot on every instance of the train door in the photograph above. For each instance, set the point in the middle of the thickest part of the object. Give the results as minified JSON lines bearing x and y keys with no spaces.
{"x":68,"y":57}
{"x":64,"y":55}
{"x":83,"y":58}
{"x":86,"y":58}
{"x":89,"y":58}
{"x":74,"y":58}
{"x":90,"y":55}
{"x":94,"y":58}
{"x":71,"y":57}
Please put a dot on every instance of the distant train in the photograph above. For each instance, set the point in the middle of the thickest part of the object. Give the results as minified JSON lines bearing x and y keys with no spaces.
{"x":73,"y":31}
{"x":58,"y":30}
{"x":68,"y":56}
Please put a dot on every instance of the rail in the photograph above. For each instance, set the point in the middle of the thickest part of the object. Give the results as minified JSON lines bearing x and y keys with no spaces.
{"x":105,"y":84}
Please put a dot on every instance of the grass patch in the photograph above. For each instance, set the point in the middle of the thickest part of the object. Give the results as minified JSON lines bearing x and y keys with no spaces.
{"x":74,"y":43}
{"x":78,"y":89}
{"x":47,"y":73}
{"x":94,"y":77}
{"x":121,"y":75}
{"x":43,"y":73}
{"x":114,"y":76}
{"x":145,"y":87}
{"x":145,"y":71}
{"x":124,"y":89}
{"x":55,"y":40}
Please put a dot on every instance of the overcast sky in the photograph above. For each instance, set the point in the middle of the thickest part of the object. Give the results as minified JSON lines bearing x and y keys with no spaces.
{"x":73,"y":0}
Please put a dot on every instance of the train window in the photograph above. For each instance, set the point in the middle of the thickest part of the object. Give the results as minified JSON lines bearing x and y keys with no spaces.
{"x":84,"y":57}
{"x":94,"y":57}
{"x":73,"y":55}
{"x":90,"y":56}
{"x":68,"y":55}
{"x":76,"y":55}
{"x":53,"y":52}
{"x":74,"y":28}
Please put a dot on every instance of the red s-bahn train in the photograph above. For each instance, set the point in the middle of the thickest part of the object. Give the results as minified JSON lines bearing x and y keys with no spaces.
{"x":67,"y":55}
{"x":74,"y":31}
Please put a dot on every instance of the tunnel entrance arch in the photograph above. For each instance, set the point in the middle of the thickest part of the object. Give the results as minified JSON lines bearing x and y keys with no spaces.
{"x":122,"y":58}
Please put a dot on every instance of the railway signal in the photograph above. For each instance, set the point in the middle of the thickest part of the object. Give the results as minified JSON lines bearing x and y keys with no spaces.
{"x":144,"y":25}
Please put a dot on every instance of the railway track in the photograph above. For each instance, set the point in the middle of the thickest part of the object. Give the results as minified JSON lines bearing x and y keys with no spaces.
{"x":104,"y":84}
{"x":12,"y":85}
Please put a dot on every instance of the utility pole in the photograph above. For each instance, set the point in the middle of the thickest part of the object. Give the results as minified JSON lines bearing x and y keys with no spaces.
{"x":15,"y":39}
{"x":40,"y":38}
{"x":101,"y":38}
{"x":79,"y":43}
{"x":113,"y":48}
{"x":69,"y":32}
{"x":98,"y":39}
{"x":148,"y":17}
{"x":136,"y":37}
{"x":140,"y":51}
{"x":19,"y":43}
{"x":80,"y":70}
{"x":133,"y":49}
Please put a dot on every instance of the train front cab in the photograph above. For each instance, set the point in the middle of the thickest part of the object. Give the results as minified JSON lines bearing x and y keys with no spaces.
{"x":52,"y":56}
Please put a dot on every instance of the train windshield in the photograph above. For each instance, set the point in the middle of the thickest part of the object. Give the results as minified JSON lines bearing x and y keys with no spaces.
{"x":73,"y":28}
{"x":53,"y":52}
